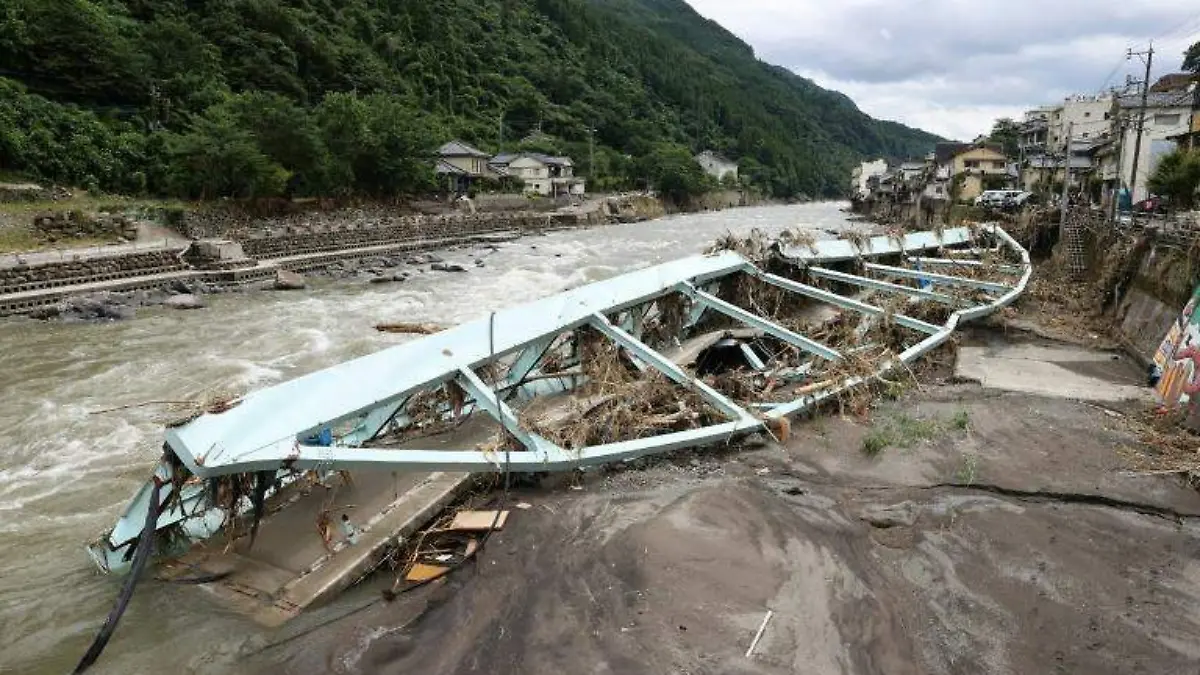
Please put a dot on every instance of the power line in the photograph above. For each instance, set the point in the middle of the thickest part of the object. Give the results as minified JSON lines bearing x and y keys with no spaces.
{"x":1182,"y":28}
{"x":1120,"y":62}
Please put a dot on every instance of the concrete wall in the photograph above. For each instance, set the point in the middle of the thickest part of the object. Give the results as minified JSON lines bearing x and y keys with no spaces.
{"x":36,"y":277}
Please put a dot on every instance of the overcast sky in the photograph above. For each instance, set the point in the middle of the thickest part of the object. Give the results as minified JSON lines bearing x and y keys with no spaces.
{"x":954,"y":66}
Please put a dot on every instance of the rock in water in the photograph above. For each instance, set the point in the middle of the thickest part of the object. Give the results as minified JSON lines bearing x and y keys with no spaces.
{"x":97,"y":307}
{"x":288,"y":281}
{"x":184,"y":301}
{"x":447,"y":267}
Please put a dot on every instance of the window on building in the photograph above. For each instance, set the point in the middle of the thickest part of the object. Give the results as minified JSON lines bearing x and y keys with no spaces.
{"x":1107,"y":115}
{"x":971,"y":163}
{"x":997,"y":164}
{"x":1085,"y":134}
{"x":1166,"y":120}
{"x":1087,"y":114}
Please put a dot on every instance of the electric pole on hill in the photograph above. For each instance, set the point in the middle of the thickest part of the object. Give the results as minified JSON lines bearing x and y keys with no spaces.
{"x":591,"y":155}
{"x":1148,"y":57}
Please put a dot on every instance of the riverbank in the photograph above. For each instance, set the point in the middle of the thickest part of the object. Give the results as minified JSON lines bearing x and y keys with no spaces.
{"x":244,"y":252}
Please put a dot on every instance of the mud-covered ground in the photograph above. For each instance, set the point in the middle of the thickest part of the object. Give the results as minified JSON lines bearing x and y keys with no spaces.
{"x":992,"y":533}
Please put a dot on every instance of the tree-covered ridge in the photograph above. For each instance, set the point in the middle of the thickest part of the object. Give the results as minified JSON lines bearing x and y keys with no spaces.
{"x":264,"y":97}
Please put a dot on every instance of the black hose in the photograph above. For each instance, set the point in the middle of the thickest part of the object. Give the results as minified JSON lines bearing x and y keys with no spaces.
{"x":141,"y":556}
{"x":263,"y":481}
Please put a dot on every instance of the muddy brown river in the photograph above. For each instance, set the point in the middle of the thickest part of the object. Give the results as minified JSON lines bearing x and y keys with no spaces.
{"x":66,"y":472}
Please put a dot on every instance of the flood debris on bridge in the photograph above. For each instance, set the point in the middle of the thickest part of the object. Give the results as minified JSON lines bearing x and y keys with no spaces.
{"x":690,"y":353}
{"x":684,"y":354}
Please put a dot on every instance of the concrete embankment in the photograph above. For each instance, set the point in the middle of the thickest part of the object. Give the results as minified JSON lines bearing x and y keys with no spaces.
{"x":297,"y":243}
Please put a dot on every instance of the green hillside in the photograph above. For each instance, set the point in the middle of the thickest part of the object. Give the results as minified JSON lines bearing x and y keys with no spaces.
{"x":252,"y":98}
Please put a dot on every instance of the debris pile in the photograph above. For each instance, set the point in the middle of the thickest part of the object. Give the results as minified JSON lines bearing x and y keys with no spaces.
{"x":618,"y":402}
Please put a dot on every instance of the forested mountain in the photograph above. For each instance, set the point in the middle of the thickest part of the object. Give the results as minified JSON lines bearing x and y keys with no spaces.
{"x":208,"y":98}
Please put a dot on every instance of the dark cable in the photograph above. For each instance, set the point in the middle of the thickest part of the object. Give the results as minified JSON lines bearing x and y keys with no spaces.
{"x":141,"y":556}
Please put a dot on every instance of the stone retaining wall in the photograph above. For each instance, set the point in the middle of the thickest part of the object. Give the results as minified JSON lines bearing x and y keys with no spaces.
{"x":50,"y":275}
{"x":393,"y":230}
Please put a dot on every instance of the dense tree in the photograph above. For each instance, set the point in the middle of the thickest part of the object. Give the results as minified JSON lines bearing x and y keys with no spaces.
{"x":1191,"y":59}
{"x":674,"y":173}
{"x":313,"y":97}
{"x":1007,"y":133}
{"x":1178,"y":178}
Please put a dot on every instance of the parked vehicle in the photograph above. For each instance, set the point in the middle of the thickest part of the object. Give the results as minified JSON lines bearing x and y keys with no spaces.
{"x":990,"y":199}
{"x":1154,"y":204}
{"x":1018,"y":199}
{"x":997,"y":199}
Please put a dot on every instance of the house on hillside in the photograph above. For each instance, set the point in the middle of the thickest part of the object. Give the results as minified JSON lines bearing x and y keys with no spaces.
{"x":540,"y":174}
{"x":717,"y":166}
{"x":975,"y":167}
{"x":461,"y":165}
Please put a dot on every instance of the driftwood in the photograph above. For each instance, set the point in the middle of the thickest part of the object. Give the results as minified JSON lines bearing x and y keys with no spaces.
{"x":409,"y":328}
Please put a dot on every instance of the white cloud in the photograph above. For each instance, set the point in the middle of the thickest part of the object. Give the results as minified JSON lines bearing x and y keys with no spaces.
{"x":951,"y":66}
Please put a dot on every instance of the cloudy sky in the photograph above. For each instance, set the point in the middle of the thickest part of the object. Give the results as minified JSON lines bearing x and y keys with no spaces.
{"x":953,"y":66}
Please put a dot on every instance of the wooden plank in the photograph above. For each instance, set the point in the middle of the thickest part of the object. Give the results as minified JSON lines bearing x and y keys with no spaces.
{"x":477,"y":521}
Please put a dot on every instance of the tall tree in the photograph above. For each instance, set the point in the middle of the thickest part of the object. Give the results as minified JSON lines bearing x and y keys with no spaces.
{"x":1191,"y":59}
{"x":1007,"y":133}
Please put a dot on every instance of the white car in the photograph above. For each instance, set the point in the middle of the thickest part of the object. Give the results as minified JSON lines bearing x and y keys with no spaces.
{"x":996,"y":198}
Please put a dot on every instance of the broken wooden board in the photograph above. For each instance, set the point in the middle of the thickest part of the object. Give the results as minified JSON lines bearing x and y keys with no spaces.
{"x":421,"y":572}
{"x":478,"y":521}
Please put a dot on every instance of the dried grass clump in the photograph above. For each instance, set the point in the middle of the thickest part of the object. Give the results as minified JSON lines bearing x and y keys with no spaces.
{"x":757,"y":247}
{"x":861,"y":241}
{"x":616,"y":404}
{"x":1167,"y":446}
{"x":670,"y":314}
{"x":799,"y":237}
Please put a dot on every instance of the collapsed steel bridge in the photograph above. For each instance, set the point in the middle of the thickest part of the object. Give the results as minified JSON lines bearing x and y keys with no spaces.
{"x":331,"y":419}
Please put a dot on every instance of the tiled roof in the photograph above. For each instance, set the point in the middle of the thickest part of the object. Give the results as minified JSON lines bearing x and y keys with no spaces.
{"x":460,"y":149}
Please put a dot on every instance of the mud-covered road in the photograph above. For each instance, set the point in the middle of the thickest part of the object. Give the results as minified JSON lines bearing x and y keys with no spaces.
{"x":995,"y":533}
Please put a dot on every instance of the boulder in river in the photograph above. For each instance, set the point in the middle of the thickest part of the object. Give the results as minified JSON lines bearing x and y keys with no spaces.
{"x":97,"y":307}
{"x":288,"y":281}
{"x":447,"y":267}
{"x":184,"y":301}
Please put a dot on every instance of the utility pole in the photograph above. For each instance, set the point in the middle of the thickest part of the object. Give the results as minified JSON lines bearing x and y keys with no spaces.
{"x":591,"y":153}
{"x":500,"y":133}
{"x":1122,"y":126}
{"x":1148,"y":57}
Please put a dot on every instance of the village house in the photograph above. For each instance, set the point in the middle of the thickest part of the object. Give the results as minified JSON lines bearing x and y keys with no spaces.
{"x":862,"y":174}
{"x":1046,"y":172}
{"x":545,"y":175}
{"x":717,"y":166}
{"x":972,"y":167}
{"x":461,"y":165}
{"x":1168,"y":117}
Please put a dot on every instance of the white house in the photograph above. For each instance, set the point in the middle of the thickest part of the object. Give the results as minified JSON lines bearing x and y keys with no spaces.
{"x":1168,"y":114}
{"x":861,"y":174}
{"x":717,"y":166}
{"x":1083,"y":117}
{"x":541,"y":174}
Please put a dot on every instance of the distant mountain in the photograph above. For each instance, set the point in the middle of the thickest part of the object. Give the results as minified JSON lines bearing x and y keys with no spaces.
{"x":258,"y":97}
